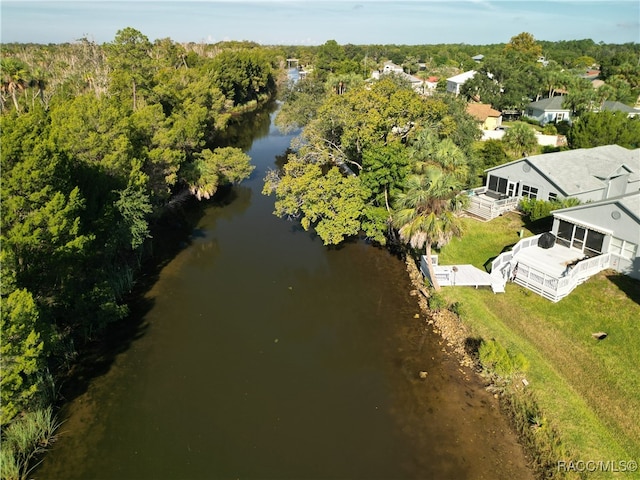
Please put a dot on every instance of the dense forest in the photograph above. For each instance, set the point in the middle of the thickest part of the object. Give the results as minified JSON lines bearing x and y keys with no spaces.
{"x":99,"y":141}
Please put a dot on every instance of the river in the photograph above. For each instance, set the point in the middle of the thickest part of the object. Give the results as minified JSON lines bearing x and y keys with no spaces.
{"x":260,"y":353}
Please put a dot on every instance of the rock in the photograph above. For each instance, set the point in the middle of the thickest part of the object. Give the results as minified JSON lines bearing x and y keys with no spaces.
{"x":599,"y":335}
{"x":423,"y":374}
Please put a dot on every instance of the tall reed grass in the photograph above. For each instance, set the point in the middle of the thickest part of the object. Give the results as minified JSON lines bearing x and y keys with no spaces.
{"x":24,"y":441}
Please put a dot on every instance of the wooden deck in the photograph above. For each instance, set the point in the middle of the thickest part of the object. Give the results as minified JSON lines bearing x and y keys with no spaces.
{"x":458,"y":275}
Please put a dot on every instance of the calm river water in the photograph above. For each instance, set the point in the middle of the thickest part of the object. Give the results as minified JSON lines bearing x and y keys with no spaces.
{"x":267,"y":355}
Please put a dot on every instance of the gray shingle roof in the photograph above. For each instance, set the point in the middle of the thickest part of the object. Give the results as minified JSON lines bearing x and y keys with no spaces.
{"x":586,"y":169}
{"x":630,"y":202}
{"x":618,"y":107}
{"x":553,"y":103}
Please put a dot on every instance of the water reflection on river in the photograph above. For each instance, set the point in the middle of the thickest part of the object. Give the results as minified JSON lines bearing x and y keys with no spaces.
{"x":268,"y":355}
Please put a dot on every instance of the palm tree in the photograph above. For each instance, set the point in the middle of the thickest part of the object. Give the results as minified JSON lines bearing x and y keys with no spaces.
{"x":14,"y":78}
{"x":426,"y":212}
{"x":520,"y":139}
{"x":428,"y":150}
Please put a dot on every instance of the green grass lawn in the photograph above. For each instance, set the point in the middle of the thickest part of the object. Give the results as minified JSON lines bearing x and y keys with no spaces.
{"x":589,"y":389}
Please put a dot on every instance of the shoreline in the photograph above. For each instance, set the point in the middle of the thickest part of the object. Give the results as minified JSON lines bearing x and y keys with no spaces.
{"x":456,"y":335}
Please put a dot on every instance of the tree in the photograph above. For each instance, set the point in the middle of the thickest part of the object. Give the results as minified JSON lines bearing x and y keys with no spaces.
{"x":425,"y":213}
{"x":21,"y":355}
{"x":593,"y":129}
{"x":15,"y":79}
{"x":582,"y":97}
{"x":212,"y":169}
{"x":492,"y":154}
{"x":524,"y":46}
{"x":520,"y":139}
{"x":481,"y":88}
{"x":129,"y":57}
{"x":331,"y":203}
{"x":384,"y":169}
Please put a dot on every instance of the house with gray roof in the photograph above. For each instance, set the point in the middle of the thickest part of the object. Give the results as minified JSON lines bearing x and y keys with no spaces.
{"x":585,"y":239}
{"x":588,"y":174}
{"x":609,"y":106}
{"x":548,"y":110}
{"x":603,"y":232}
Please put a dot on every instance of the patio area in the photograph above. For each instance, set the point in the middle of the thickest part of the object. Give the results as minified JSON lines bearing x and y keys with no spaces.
{"x":556,"y":261}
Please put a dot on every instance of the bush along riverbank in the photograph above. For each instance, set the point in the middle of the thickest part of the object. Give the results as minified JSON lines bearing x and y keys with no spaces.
{"x":504,"y":375}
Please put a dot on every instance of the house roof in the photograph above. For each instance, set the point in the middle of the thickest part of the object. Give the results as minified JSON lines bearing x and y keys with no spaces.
{"x":585,"y":169}
{"x":553,"y":103}
{"x":618,"y":107}
{"x":482,"y":111}
{"x":628,"y":202}
{"x":463,"y":77}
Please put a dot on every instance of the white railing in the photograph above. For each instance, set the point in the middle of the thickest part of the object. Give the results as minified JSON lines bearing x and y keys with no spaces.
{"x":487,"y":207}
{"x":556,"y":288}
{"x":549,"y":286}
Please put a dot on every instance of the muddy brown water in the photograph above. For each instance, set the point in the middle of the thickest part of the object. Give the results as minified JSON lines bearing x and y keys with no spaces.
{"x":269,"y":356}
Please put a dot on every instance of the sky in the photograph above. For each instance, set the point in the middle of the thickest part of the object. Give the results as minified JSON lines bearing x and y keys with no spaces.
{"x":313,"y":22}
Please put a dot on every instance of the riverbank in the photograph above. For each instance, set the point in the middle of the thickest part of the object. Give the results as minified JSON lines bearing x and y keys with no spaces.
{"x":582,"y":392}
{"x":463,"y":346}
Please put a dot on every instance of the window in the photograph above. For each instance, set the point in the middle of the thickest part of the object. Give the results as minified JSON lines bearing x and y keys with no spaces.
{"x":530,"y":192}
{"x":559,"y":117}
{"x":498,"y":184}
{"x":578,"y":237}
{"x":565,"y":232}
{"x":623,"y":248}
{"x":553,"y":196}
{"x":593,"y":245}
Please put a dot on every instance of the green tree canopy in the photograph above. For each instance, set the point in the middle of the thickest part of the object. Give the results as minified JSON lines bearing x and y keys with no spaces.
{"x":593,"y":129}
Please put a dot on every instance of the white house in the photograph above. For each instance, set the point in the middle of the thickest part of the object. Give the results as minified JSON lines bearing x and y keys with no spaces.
{"x":610,"y":226}
{"x":588,"y":174}
{"x":548,"y":110}
{"x":454,"y":83}
{"x":390,"y":68}
{"x":584,"y":240}
{"x":603,"y":232}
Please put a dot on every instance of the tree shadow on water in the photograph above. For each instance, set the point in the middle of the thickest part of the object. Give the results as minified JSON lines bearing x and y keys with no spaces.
{"x":177,"y":229}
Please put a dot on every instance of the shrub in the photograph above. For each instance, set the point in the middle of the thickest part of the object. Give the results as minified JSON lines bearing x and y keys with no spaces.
{"x":497,"y":359}
{"x":437,"y":302}
{"x":536,"y":209}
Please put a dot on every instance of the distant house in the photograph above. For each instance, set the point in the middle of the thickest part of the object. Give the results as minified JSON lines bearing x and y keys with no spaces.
{"x":609,"y":106}
{"x":477,"y":58}
{"x":588,"y":174}
{"x":390,"y":67}
{"x":486,"y":116}
{"x":416,"y":83}
{"x":454,"y":83}
{"x":548,"y":110}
